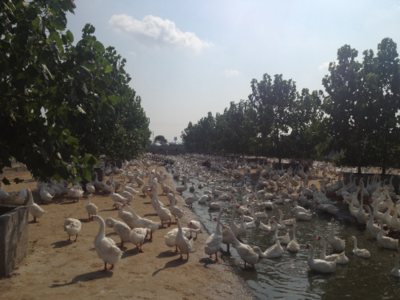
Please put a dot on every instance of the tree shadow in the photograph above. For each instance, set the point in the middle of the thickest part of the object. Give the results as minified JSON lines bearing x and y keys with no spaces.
{"x":61,"y":244}
{"x":86,"y":277}
{"x":171,"y":264}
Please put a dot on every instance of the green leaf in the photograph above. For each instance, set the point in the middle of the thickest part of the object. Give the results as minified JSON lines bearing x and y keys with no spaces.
{"x":98,"y":47}
{"x":36,"y":23}
{"x":70,"y":36}
{"x":114,"y":99}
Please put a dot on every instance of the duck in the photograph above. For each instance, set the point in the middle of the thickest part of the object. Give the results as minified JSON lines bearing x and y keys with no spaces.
{"x":214,"y":241}
{"x":364,"y":253}
{"x":362,"y":217}
{"x":91,"y":208}
{"x":341,"y":258}
{"x":267,"y":227}
{"x":120,"y":228}
{"x":320,"y":265}
{"x":372,"y":229}
{"x":4,"y":196}
{"x":105,"y":247}
{"x":395,"y":271}
{"x":20,"y":197}
{"x":336,"y":243}
{"x":130,"y":189}
{"x":385,"y":241}
{"x":163,"y":213}
{"x":45,"y":195}
{"x":226,"y":237}
{"x":138,"y":222}
{"x":301,"y":216}
{"x":182,"y":242}
{"x":137,"y":236}
{"x":170,"y":237}
{"x":90,"y":188}
{"x":283,"y":239}
{"x":194,"y":225}
{"x":192,"y":199}
{"x":274,"y":251}
{"x":293,"y":245}
{"x":72,"y":227}
{"x":246,"y":253}
{"x":35,"y":210}
{"x":117,"y":197}
{"x":126,"y":194}
{"x":175,"y":210}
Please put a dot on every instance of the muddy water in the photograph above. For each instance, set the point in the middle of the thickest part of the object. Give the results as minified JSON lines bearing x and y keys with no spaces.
{"x":289,"y":277}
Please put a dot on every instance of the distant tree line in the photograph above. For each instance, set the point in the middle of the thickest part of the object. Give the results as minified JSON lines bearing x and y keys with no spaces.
{"x":358,"y":113}
{"x":63,"y":105}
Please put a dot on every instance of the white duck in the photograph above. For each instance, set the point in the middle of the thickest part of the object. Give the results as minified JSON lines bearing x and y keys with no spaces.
{"x":320,"y":265}
{"x":395,"y":271}
{"x":72,"y":227}
{"x":283,"y":239}
{"x":117,"y":197}
{"x":170,"y":237}
{"x":214,"y":241}
{"x":371,"y":227}
{"x":194,"y":225}
{"x":91,"y":208}
{"x":274,"y":251}
{"x":385,"y":241}
{"x":336,"y":243}
{"x":293,"y":245}
{"x":364,"y":253}
{"x":45,"y":195}
{"x":137,"y":237}
{"x":182,"y":242}
{"x":35,"y":210}
{"x":121,"y":229}
{"x":105,"y":247}
{"x":139,"y":222}
{"x":340,"y":258}
{"x":90,"y":188}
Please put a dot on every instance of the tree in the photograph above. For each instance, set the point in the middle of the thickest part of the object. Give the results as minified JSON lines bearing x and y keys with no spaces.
{"x":362,"y":105}
{"x":161,"y":139}
{"x":57,"y":100}
{"x":274,"y":101}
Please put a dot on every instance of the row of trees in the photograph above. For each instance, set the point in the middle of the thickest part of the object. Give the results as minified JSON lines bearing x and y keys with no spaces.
{"x":358,"y":113}
{"x":63,"y":105}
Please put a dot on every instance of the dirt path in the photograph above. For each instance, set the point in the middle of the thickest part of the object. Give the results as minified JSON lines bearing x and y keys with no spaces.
{"x":57,"y":268}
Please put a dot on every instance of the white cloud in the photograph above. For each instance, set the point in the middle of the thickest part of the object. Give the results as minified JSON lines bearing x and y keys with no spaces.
{"x":154,"y":31}
{"x":230,"y":73}
{"x":324,"y":66}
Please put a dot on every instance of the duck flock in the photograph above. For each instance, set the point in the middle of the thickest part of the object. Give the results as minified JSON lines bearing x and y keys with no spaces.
{"x":243,"y":190}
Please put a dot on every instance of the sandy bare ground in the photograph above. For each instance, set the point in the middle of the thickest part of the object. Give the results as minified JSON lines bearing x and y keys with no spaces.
{"x":56,"y":268}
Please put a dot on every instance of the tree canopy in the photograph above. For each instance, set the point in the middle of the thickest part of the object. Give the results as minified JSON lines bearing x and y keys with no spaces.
{"x":160,"y":138}
{"x":62,"y":105}
{"x":358,"y":114}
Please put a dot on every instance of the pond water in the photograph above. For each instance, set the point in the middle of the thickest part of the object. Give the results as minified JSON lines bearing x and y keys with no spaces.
{"x":289,"y":276}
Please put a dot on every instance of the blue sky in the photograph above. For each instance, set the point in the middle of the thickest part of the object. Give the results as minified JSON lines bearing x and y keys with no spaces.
{"x":187,"y":58}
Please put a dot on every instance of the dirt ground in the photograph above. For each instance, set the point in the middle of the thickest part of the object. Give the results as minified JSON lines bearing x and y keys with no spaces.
{"x":57,"y":268}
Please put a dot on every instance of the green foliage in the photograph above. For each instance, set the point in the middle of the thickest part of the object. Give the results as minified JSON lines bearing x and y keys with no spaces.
{"x":363,"y":103}
{"x":62,"y":105}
